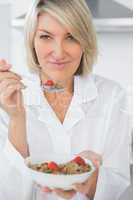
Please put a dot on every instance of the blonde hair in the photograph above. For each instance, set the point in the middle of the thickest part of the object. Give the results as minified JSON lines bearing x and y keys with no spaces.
{"x":74,"y":14}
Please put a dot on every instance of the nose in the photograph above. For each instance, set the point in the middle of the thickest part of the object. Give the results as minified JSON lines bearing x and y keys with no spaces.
{"x":58,"y":51}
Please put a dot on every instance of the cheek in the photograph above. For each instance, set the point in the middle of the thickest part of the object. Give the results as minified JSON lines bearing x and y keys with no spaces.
{"x":76,"y":53}
{"x":41,"y":50}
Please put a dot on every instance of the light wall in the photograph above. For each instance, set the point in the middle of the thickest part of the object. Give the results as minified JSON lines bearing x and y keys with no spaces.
{"x":127,"y":3}
{"x":19,"y":7}
{"x":5,"y":31}
{"x":116,"y":57}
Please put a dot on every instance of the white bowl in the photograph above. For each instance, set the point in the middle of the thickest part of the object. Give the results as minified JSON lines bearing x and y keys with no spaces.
{"x":55,"y":180}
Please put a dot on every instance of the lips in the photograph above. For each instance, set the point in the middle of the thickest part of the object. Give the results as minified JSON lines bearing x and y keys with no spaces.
{"x":58,"y":65}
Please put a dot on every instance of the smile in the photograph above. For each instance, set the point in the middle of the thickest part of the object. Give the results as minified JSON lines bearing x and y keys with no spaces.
{"x":58,"y":65}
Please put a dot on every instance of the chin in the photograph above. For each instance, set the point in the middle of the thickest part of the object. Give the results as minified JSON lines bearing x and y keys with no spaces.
{"x":57,"y":75}
{"x":59,"y":78}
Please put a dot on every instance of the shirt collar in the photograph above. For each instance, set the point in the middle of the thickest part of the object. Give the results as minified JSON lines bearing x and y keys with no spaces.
{"x":85,"y":88}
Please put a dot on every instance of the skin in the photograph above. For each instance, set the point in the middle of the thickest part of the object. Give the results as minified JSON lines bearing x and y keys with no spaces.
{"x":53,"y":43}
{"x":12,"y":102}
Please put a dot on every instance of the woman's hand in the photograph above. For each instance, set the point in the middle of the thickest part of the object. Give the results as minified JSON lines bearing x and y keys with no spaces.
{"x":10,"y":91}
{"x":12,"y":102}
{"x":94,"y":157}
{"x":69,"y":194}
{"x":88,"y":187}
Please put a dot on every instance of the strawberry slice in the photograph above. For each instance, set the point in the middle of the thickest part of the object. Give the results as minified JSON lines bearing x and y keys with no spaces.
{"x":52,"y":165}
{"x":79,"y":160}
{"x":49,"y":83}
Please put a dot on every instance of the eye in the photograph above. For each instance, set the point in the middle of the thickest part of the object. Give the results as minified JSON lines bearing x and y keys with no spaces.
{"x":70,"y":37}
{"x":47,"y":37}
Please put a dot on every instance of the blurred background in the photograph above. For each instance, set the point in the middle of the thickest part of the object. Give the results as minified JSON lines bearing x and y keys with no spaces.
{"x":113,"y":20}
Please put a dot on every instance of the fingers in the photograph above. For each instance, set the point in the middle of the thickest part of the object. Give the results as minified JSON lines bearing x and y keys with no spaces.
{"x":4,"y":66}
{"x":46,"y":189}
{"x":5,"y":95}
{"x":88,"y":185}
{"x":62,"y":193}
{"x":94,"y":157}
{"x":9,"y":75}
{"x":83,"y":187}
{"x":65,"y":194}
{"x":5,"y":71}
{"x":12,"y":97}
{"x":12,"y":88}
{"x":88,"y":190}
{"x":7,"y":82}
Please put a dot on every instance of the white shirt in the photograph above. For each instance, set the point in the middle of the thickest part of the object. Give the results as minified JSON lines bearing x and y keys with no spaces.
{"x":97,"y":120}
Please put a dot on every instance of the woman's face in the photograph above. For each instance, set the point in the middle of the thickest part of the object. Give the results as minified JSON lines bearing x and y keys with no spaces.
{"x":58,"y":53}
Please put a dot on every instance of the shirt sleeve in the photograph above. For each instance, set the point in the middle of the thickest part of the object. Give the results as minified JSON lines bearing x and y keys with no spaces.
{"x":12,"y":169}
{"x":7,"y":149}
{"x":114,"y":174}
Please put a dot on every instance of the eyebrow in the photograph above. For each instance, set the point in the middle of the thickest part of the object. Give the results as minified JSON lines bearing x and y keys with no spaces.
{"x":43,"y":30}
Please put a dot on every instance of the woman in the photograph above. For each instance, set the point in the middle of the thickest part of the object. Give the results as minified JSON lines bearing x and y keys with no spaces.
{"x":87,"y":116}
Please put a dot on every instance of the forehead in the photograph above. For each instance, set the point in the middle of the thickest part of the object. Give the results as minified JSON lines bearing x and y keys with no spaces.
{"x":51,"y":23}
